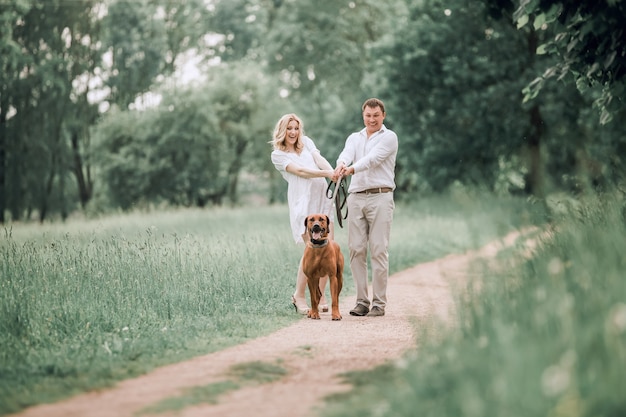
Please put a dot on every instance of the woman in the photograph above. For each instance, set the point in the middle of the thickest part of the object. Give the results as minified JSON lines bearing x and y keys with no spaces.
{"x":300,"y":163}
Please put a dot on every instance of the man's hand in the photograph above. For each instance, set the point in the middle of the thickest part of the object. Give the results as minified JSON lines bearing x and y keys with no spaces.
{"x":342,"y":171}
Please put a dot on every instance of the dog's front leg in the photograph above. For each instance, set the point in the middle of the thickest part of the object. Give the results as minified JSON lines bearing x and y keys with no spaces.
{"x":335,"y":289}
{"x":314,"y":290}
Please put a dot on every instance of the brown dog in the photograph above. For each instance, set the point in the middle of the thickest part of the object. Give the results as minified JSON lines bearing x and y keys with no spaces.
{"x":322,"y":256}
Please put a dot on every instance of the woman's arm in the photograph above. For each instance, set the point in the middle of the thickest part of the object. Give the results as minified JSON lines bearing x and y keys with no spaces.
{"x":309,"y":173}
{"x":321,"y":162}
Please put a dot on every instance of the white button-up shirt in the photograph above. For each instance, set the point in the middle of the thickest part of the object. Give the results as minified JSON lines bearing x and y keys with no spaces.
{"x":373,"y":159}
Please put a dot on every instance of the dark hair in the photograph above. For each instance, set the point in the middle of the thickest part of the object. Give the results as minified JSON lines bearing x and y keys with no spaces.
{"x":372,"y":103}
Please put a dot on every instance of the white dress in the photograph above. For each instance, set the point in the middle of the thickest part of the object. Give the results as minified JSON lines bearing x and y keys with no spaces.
{"x":304,"y":195}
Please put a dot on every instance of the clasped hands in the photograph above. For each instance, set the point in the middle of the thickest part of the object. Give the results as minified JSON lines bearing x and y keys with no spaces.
{"x":342,"y":171}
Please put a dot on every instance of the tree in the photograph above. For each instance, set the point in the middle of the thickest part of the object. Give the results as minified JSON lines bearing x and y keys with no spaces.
{"x":53,"y":40}
{"x":142,"y":40}
{"x":241,"y":26}
{"x":323,"y":43}
{"x":308,"y":44}
{"x":585,"y":41}
{"x":62,"y":64}
{"x":190,"y":150}
{"x":589,"y":40}
{"x":11,"y":61}
{"x":455,"y":80}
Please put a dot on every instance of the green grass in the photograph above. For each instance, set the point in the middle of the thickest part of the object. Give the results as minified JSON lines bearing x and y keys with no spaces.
{"x":244,"y":374}
{"x":546,"y":337}
{"x":206,"y":394}
{"x":86,"y":303}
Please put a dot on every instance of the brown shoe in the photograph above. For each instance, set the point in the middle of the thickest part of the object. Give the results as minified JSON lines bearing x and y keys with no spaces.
{"x":376,"y":311}
{"x":359,"y":310}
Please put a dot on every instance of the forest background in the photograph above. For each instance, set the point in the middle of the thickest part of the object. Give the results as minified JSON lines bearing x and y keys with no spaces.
{"x":109,"y":105}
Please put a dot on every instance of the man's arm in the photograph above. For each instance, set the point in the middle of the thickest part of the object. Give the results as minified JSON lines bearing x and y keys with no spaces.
{"x":386,"y":147}
{"x":345,"y":158}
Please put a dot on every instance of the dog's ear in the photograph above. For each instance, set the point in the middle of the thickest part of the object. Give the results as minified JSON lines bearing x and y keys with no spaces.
{"x":306,"y":222}
{"x":327,"y":221}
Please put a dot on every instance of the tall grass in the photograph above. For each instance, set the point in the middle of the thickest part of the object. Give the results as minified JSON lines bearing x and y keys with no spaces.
{"x":87,"y":303}
{"x":544,"y":338}
{"x":426,"y":229}
{"x":84,"y":305}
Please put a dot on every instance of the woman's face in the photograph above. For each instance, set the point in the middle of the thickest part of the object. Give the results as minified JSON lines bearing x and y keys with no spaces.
{"x":292,"y":134}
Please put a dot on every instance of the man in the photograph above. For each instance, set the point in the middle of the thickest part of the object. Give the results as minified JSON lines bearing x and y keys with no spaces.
{"x":370,"y":157}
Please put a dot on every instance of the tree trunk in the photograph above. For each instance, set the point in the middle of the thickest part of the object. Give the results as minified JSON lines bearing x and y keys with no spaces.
{"x":85,"y":188}
{"x":3,"y":145}
{"x":234,"y":169}
{"x":535,"y":183}
{"x":273,"y":186}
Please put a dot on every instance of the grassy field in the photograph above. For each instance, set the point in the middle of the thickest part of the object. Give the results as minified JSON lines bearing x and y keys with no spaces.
{"x":540,"y":337}
{"x":86,"y":303}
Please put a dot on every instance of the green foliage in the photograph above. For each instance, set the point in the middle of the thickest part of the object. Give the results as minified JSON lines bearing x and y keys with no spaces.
{"x":144,"y":39}
{"x":242,"y":25}
{"x":191,"y":148}
{"x":121,"y":149}
{"x":135,"y":62}
{"x":589,"y":41}
{"x":455,"y":95}
{"x":456,"y":100}
{"x":44,"y":103}
{"x":535,"y":337}
{"x":60,"y":61}
{"x":324,"y":42}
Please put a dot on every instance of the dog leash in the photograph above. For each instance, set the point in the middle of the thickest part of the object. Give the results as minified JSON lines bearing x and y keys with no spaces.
{"x":339,"y":194}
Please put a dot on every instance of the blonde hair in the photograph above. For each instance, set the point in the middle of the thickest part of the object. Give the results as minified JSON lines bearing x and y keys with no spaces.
{"x":280,"y":132}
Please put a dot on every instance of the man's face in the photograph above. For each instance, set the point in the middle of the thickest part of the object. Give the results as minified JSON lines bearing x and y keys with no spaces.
{"x":373,"y":118}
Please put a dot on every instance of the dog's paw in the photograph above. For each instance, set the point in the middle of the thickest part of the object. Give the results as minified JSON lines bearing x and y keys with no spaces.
{"x":337,"y":318}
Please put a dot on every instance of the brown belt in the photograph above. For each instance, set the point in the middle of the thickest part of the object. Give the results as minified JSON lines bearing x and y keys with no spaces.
{"x":376,"y":190}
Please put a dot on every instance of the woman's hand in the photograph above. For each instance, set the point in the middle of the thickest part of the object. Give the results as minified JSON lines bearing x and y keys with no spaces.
{"x":338,"y":172}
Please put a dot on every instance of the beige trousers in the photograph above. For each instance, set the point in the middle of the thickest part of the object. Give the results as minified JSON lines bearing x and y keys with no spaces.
{"x":369,"y":226}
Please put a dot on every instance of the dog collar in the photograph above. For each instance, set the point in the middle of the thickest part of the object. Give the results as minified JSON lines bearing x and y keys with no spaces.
{"x":319,"y":243}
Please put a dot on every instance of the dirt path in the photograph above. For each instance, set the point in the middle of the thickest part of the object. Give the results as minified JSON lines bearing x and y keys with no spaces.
{"x":314,"y":352}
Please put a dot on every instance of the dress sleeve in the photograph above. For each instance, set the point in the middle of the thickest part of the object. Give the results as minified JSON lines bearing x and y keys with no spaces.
{"x":280,"y":160}
{"x":310,"y":145}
